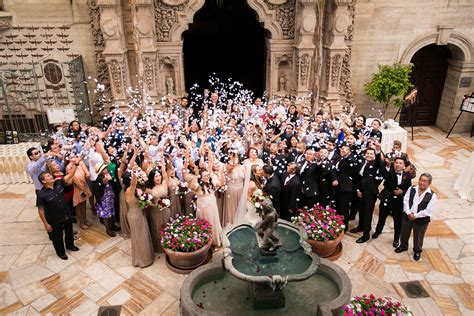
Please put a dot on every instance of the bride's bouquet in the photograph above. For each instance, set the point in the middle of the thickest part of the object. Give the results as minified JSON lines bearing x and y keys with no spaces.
{"x":258,"y":197}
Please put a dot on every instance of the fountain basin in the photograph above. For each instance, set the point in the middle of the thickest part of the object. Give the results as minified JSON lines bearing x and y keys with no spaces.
{"x":209,"y":290}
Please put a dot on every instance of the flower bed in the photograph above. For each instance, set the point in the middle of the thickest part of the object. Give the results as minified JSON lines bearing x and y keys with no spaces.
{"x":186,"y":234}
{"x":371,"y":305}
{"x":320,"y":223}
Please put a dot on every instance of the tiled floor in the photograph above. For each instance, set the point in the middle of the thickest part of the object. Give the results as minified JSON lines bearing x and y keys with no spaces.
{"x":34,"y":281}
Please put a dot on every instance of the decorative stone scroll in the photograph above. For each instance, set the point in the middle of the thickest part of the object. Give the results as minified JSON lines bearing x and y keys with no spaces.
{"x":117,"y":70}
{"x":285,"y":16}
{"x":303,"y":69}
{"x":149,"y":74}
{"x":335,"y":70}
{"x":99,"y":44}
{"x":345,"y":79}
{"x":166,"y":17}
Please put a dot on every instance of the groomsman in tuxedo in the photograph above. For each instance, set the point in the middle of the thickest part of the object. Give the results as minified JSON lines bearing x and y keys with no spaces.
{"x":395,"y":185}
{"x":275,"y":159}
{"x":290,"y":192}
{"x":300,"y":149}
{"x":309,"y":180}
{"x":272,"y":186}
{"x":326,"y":178}
{"x":333,"y":154}
{"x":369,"y":176}
{"x":345,"y":173}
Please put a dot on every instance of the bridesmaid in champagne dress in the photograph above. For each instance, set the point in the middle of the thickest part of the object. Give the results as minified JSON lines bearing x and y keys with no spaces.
{"x":235,"y":185}
{"x":207,"y":204}
{"x":216,"y":176}
{"x":142,"y":247}
{"x":173,"y":182}
{"x":157,"y":217}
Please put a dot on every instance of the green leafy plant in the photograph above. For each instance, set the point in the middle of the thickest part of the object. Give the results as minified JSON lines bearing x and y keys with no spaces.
{"x":389,"y":85}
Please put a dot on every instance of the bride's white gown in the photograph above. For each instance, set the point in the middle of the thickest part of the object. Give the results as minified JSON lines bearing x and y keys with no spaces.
{"x":251,"y":216}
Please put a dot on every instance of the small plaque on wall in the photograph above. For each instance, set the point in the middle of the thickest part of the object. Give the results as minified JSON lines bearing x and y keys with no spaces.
{"x":59,"y":115}
{"x":465,"y":82}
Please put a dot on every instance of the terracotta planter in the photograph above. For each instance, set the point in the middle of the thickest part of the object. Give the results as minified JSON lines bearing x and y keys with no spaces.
{"x":325,"y":249}
{"x":188,"y":260}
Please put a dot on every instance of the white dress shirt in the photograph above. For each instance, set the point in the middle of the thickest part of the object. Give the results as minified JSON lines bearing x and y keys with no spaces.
{"x":428,"y":211}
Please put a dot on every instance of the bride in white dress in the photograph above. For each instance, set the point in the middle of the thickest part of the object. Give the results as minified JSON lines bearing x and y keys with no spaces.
{"x":246,"y":212}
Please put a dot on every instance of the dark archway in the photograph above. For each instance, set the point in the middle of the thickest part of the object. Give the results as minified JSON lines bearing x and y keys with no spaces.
{"x":226,"y":38}
{"x":428,"y":76}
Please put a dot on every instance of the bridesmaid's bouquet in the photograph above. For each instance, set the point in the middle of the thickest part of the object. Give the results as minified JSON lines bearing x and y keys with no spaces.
{"x":182,"y":189}
{"x":162,"y":203}
{"x":145,"y":199}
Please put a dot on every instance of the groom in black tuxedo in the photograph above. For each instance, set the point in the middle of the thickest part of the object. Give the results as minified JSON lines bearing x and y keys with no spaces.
{"x":369,"y":177}
{"x":290,"y":192}
{"x":395,"y":185}
{"x":309,"y":179}
{"x":272,"y":186}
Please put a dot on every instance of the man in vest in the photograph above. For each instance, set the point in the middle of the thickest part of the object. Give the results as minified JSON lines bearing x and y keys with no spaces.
{"x":418,"y":205}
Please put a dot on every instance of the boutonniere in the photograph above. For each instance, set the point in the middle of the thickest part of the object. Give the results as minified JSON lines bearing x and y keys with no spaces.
{"x":405,"y":177}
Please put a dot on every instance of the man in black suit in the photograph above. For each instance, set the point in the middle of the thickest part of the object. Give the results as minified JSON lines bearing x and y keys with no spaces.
{"x":369,"y":176}
{"x":272,"y":186}
{"x":326,"y":178}
{"x":345,"y":173}
{"x":309,"y":181}
{"x":299,"y":157}
{"x":277,"y":160}
{"x":395,"y":185}
{"x":333,"y":154}
{"x":290,"y":192}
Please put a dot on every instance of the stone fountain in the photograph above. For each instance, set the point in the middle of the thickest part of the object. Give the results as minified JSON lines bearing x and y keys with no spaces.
{"x":266,"y":269}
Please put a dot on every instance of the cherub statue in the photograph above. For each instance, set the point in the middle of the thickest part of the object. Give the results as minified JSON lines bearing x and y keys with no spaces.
{"x":266,"y":227}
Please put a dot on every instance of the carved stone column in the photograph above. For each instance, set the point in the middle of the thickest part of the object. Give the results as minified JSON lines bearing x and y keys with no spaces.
{"x":115,"y":51}
{"x":337,"y":51}
{"x":148,"y":48}
{"x":304,"y":45}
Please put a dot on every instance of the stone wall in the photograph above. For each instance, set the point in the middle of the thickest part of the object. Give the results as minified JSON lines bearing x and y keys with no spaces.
{"x":57,"y":13}
{"x":386,"y":30}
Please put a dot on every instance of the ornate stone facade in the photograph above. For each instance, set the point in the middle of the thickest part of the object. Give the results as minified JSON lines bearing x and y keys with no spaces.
{"x":99,"y":44}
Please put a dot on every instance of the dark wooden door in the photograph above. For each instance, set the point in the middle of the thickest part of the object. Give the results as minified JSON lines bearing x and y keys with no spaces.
{"x":429,"y":73}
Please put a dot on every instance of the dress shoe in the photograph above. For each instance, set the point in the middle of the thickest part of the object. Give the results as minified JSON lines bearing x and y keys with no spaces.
{"x":355,"y":230}
{"x":396,"y":244}
{"x":73,"y":248}
{"x":416,"y":256}
{"x":115,"y":228}
{"x":375,"y":235}
{"x":362,"y":239}
{"x":400,"y":249}
{"x":64,"y":257}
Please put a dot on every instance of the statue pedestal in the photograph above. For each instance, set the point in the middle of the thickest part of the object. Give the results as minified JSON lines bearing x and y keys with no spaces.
{"x":264,"y":297}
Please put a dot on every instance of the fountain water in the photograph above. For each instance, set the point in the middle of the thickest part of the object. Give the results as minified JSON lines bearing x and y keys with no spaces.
{"x":289,"y":280}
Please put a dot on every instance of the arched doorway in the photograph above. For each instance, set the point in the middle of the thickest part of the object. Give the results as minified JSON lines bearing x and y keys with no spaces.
{"x":226,"y":38}
{"x":428,"y":76}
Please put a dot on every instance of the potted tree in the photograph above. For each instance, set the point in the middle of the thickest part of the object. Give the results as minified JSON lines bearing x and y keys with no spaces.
{"x":389,"y":85}
{"x":324,"y":229}
{"x":186,"y":241}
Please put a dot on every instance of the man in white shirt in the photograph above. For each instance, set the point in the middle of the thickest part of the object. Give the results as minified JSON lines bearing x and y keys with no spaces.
{"x":418,"y":205}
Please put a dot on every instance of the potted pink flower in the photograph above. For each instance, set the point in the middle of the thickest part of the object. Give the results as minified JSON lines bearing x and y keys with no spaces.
{"x":186,"y":241}
{"x":324,"y":229}
{"x":371,"y":305}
